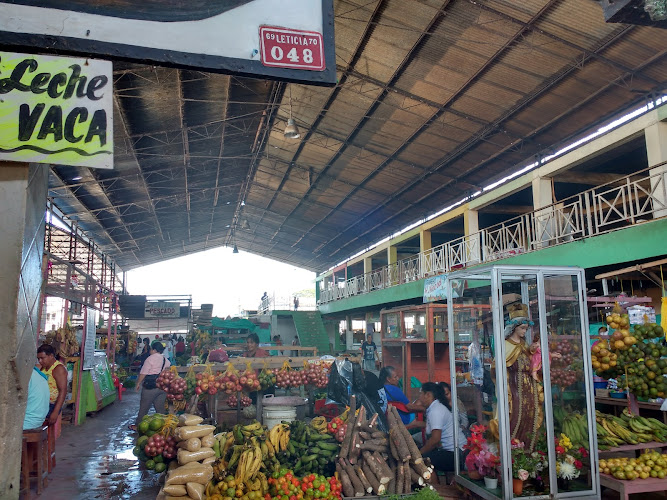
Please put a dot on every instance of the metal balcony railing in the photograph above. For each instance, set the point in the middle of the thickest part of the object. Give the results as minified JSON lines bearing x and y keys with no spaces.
{"x":615,"y":205}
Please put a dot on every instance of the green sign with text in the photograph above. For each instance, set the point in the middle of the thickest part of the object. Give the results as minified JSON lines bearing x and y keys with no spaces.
{"x":56,"y":110}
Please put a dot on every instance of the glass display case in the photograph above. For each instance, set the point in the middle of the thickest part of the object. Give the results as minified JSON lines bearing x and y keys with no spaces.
{"x":414,"y":341}
{"x":535,"y":434}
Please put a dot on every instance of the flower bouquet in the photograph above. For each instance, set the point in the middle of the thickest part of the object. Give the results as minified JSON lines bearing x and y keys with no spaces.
{"x":569,"y":464}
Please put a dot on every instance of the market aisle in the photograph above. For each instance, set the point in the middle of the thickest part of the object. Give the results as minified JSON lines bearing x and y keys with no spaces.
{"x":95,"y":460}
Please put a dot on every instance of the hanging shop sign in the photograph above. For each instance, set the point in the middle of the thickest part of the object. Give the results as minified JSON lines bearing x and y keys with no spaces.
{"x":435,"y":288}
{"x":162,"y":310}
{"x":56,"y":110}
{"x":211,"y":35}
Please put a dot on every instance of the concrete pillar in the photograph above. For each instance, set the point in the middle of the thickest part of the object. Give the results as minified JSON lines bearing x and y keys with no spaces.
{"x":544,"y":223}
{"x":656,"y":149}
{"x":473,"y":240}
{"x":22,"y":221}
{"x":349,"y":334}
{"x":368,"y":264}
{"x":425,"y":240}
{"x":392,"y":255}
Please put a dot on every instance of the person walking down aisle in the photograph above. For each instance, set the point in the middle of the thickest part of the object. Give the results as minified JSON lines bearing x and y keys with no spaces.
{"x":57,"y":379}
{"x":370,"y":353}
{"x":38,"y":400}
{"x":151,"y":394}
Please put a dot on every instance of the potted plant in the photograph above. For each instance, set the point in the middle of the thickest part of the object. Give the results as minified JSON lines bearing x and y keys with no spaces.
{"x":522,"y":464}
{"x":487,"y":464}
{"x":475,"y":444}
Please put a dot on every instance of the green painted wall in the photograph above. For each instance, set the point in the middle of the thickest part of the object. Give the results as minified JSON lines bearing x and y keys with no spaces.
{"x":638,"y":242}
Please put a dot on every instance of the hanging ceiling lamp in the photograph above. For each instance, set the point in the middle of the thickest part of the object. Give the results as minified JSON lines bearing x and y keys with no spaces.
{"x":236,"y":249}
{"x":291,"y":130}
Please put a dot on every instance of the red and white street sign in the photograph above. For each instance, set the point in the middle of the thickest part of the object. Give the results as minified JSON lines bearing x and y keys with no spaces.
{"x":296,"y":49}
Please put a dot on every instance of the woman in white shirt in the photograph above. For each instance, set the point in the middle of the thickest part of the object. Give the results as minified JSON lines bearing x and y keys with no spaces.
{"x":440,"y":427}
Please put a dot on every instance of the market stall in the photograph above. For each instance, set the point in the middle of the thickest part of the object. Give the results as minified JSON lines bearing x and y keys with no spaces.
{"x":414,"y":341}
{"x":537,"y":406}
{"x":349,"y":457}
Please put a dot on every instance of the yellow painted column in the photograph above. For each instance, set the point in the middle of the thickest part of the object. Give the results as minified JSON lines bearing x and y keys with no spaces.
{"x":368,"y":264}
{"x":425,"y":240}
{"x":392,"y":255}
{"x":542,"y":197}
{"x":656,"y":150}
{"x":473,"y":240}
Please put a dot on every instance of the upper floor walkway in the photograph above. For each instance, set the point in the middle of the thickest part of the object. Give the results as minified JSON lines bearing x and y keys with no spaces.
{"x":629,"y":201}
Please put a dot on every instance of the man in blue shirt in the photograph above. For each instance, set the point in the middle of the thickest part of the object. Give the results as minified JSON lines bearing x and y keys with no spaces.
{"x":38,"y":400}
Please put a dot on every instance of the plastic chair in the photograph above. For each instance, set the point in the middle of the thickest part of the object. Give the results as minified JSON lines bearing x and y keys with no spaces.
{"x":36,"y":457}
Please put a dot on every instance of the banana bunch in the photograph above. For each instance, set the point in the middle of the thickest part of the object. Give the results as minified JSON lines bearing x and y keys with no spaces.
{"x":223,"y":442}
{"x":319,"y":424}
{"x":650,"y":426}
{"x":632,"y":429}
{"x":250,"y":461}
{"x":279,"y":436}
{"x":575,"y":427}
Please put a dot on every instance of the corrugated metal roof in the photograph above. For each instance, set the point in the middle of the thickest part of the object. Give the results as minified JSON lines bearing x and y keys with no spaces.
{"x":435,"y":98}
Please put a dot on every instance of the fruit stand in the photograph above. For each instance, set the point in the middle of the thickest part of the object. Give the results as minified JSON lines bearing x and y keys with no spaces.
{"x":235,"y":379}
{"x":316,"y":460}
{"x":537,"y":405}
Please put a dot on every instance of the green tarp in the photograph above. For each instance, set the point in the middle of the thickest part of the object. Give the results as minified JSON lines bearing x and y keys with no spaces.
{"x":233,"y":324}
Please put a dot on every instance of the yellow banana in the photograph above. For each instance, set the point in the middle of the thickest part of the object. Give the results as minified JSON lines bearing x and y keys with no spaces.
{"x":270,"y":448}
{"x":252,"y":427}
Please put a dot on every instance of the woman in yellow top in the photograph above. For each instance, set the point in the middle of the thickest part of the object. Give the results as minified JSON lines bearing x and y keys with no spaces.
{"x":57,"y":379}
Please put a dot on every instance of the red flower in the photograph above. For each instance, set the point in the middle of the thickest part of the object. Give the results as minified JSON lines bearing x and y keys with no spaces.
{"x":583,"y":452}
{"x":578,"y":464}
{"x":560,"y":450}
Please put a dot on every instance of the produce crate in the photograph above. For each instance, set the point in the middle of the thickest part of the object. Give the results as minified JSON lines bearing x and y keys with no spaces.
{"x":601,"y":393}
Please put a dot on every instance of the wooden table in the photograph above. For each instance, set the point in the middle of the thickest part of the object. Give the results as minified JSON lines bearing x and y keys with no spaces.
{"x":627,"y":488}
{"x":634,"y":447}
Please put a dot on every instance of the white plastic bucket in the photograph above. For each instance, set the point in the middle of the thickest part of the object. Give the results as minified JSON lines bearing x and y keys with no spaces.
{"x":273,"y":415}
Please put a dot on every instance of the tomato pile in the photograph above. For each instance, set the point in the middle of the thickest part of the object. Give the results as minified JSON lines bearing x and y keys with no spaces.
{"x":333,"y":427}
{"x":284,"y":486}
{"x":172,"y":384}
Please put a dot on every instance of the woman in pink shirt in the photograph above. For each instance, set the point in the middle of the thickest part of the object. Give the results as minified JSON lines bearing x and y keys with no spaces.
{"x":151,"y":394}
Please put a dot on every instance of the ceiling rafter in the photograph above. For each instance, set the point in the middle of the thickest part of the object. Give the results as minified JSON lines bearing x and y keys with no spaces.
{"x":443,"y":108}
{"x":394,"y":77}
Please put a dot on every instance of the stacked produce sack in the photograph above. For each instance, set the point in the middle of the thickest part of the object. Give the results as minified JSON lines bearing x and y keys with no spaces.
{"x":190,"y":474}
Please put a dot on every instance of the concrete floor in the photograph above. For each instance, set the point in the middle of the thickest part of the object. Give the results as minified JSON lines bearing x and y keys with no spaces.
{"x":95,"y":460}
